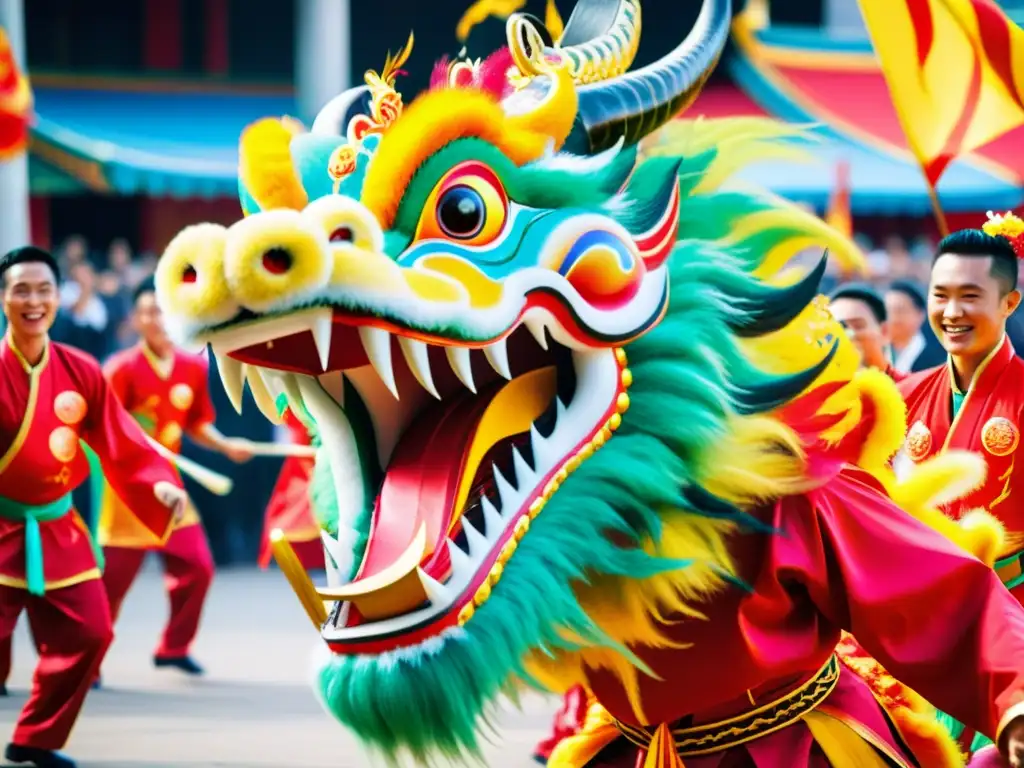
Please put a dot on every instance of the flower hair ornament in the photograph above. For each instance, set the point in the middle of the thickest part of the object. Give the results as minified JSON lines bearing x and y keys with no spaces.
{"x":1009,"y":226}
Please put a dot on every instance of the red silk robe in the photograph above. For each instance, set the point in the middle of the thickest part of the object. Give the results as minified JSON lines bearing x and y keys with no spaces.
{"x":291,"y":508}
{"x":989,"y":423}
{"x":44,"y":412}
{"x":168,"y":402}
{"x":844,"y":557}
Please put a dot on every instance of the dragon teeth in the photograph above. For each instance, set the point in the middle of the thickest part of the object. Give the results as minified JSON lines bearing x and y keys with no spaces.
{"x":462,"y":564}
{"x":538,"y":328}
{"x":337,"y":557}
{"x":377,"y":343}
{"x":505,"y":490}
{"x":477,"y":542}
{"x":322,"y":326}
{"x":492,"y":518}
{"x":461,"y":363}
{"x":497,"y":356}
{"x":261,"y":394}
{"x":436,"y":592}
{"x":232,"y":376}
{"x":417,"y":355}
{"x":524,"y":472}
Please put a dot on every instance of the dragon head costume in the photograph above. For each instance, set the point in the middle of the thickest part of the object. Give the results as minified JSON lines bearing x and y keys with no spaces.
{"x":552,"y":358}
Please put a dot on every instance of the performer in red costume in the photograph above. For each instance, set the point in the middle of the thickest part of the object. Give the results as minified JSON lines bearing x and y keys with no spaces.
{"x":166,"y":390}
{"x":976,"y":401}
{"x":291,"y":506}
{"x":51,"y":398}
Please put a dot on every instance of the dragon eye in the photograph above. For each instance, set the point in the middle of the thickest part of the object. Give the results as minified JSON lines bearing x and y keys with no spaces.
{"x":461,"y":212}
{"x":468,"y":205}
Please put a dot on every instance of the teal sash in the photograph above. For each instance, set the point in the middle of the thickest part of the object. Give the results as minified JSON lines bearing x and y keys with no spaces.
{"x":32,"y":516}
{"x":1018,"y":579}
{"x":96,"y":493}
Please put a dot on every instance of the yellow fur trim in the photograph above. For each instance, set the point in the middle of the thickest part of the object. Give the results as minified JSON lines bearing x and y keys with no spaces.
{"x":737,"y":141}
{"x":747,"y":467}
{"x":890,"y":423}
{"x":940,"y":480}
{"x":433,"y":120}
{"x":265,"y":164}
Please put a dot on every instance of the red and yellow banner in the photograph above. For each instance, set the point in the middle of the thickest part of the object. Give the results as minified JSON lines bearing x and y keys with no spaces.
{"x":955,"y":71}
{"x":15,"y":103}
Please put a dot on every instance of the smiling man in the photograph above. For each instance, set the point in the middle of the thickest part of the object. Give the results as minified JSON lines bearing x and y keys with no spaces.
{"x":52,"y":399}
{"x":976,"y":400}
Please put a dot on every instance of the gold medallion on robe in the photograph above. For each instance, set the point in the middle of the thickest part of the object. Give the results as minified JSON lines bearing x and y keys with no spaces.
{"x":170,"y":434}
{"x":70,"y":407}
{"x":181,"y":396}
{"x":63,"y":444}
{"x":1000,"y":436}
{"x":919,"y":441}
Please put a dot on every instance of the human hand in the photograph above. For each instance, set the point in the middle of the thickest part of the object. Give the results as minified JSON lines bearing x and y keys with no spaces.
{"x":172,"y":497}
{"x":237,"y":449}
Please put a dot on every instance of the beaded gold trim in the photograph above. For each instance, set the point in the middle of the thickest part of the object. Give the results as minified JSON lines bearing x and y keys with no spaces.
{"x":570,"y":465}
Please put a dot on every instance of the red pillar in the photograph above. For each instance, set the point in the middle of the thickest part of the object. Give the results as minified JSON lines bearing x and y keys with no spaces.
{"x":163,"y":35}
{"x":39,"y":214}
{"x":215,"y":59}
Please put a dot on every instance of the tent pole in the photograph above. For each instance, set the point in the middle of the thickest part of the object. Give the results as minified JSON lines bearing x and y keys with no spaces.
{"x":14,"y":209}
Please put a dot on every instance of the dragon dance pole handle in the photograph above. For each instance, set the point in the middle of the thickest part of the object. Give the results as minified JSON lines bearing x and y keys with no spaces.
{"x":281,"y":449}
{"x":212,"y":481}
{"x":303,"y":586}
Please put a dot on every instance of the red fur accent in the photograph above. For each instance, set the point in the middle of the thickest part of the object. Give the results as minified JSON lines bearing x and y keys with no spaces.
{"x":490,"y":76}
{"x":493,"y":73}
{"x":1017,"y":243}
{"x":439,"y":75}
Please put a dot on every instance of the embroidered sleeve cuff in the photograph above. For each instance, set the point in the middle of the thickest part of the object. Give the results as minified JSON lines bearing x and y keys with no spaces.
{"x":1015,"y":711}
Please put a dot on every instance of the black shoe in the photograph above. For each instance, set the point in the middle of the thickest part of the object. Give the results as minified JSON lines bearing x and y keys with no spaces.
{"x":41,"y":758}
{"x":184,"y":663}
{"x":3,"y":690}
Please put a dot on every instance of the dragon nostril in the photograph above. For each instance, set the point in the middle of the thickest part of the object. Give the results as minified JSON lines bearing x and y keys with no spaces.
{"x":277,"y":261}
{"x":342,"y":235}
{"x":189,"y":275}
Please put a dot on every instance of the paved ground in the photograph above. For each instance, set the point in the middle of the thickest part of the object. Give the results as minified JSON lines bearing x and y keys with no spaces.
{"x":254,"y":708}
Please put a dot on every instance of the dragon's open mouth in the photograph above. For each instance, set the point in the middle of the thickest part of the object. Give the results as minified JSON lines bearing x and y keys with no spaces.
{"x":442,"y":482}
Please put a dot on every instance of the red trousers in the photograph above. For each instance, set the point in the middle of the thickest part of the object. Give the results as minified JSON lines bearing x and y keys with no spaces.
{"x":72,"y":630}
{"x":568,"y":721}
{"x":188,"y":573}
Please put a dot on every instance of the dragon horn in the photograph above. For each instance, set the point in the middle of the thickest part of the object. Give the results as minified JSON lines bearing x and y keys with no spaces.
{"x":637,"y":103}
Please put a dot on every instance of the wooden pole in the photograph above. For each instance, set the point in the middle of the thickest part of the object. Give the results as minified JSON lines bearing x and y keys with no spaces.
{"x":300,"y":582}
{"x":940,"y":216}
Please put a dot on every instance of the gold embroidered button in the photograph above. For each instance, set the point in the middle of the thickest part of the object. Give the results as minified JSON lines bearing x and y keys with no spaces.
{"x":70,"y":407}
{"x":1000,"y":436}
{"x":919,"y":441}
{"x":181,"y":396}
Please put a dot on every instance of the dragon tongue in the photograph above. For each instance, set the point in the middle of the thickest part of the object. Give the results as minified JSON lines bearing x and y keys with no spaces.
{"x":421,"y":481}
{"x":435,"y":462}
